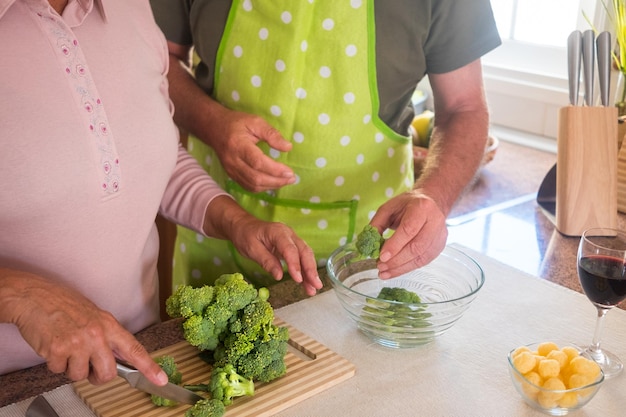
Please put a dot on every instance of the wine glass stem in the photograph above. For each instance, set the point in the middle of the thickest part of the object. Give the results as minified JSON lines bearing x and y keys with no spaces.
{"x":595,"y":345}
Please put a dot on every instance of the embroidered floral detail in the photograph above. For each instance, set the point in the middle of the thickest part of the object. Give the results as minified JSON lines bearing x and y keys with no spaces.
{"x":75,"y":66}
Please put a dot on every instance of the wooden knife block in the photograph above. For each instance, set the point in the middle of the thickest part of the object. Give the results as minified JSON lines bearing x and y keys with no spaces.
{"x":621,"y":168}
{"x":586,"y":177}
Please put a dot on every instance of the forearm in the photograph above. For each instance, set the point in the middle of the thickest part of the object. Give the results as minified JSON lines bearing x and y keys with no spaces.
{"x":12,"y":284}
{"x":459,"y":137}
{"x":223,"y":216}
{"x":195,"y":111}
{"x":455,"y":152}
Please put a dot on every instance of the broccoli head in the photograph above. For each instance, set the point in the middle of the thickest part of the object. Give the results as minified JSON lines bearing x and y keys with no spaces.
{"x":187,"y":301}
{"x":266,"y":361}
{"x":226,"y":384}
{"x":234,"y":291}
{"x":207,"y":408}
{"x":168,"y":365}
{"x":207,"y":311}
{"x":369,"y":242}
{"x":202,"y":332}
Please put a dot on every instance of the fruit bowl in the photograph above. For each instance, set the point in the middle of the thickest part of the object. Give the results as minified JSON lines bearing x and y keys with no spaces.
{"x":534,"y":374}
{"x":447,"y":286}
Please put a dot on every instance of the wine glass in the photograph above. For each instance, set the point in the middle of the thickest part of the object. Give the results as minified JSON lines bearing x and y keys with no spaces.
{"x":601,"y":264}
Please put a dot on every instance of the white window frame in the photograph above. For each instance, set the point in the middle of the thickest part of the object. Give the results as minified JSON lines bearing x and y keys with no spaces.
{"x":526,"y":84}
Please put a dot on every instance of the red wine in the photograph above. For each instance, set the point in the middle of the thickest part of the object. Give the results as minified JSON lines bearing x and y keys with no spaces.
{"x":603,"y":279}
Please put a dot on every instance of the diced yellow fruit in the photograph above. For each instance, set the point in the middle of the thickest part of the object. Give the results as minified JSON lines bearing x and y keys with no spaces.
{"x":547,"y":399}
{"x":519,"y":350}
{"x":560,"y":357}
{"x":579,"y":380}
{"x":530,"y":389}
{"x":568,"y":400}
{"x":582,"y":365}
{"x":524,"y":362}
{"x":545,"y":348}
{"x":549,"y":368}
{"x":570,"y":351}
{"x":553,"y":384}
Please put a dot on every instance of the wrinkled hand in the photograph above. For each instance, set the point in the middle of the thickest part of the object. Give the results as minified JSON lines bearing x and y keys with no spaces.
{"x":241,"y":157}
{"x":420,"y":233}
{"x":73,"y":335}
{"x":269,"y":243}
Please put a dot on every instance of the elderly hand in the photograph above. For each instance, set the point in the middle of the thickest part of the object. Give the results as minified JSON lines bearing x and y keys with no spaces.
{"x":267,"y":243}
{"x":71,"y":333}
{"x":420,"y":233}
{"x":236,"y":145}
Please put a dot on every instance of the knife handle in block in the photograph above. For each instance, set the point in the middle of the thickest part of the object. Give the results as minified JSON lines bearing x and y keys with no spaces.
{"x":586,"y":176}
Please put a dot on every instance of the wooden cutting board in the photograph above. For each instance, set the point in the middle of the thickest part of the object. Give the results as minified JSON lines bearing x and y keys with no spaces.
{"x":314,"y":370}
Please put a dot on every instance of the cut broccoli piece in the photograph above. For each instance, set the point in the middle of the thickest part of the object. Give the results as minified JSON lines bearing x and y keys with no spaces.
{"x":225,"y":384}
{"x":399,"y":294}
{"x":369,"y":242}
{"x":168,"y":365}
{"x":266,"y":361}
{"x":207,"y":408}
{"x":396,"y":315}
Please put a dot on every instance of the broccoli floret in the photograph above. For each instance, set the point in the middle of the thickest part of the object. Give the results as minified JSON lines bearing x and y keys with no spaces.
{"x":234,"y":291}
{"x":237,"y":325}
{"x":266,"y":361}
{"x":397,"y":315}
{"x":399,"y":294}
{"x":168,"y":365}
{"x":202,"y":332}
{"x":369,"y":242}
{"x":208,"y":310}
{"x":188,"y":301}
{"x":226,"y":384}
{"x":207,"y":408}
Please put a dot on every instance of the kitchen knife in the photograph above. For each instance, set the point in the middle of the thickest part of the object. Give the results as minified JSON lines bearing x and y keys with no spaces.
{"x":603,"y":47}
{"x":40,"y":407}
{"x":574,"y":51}
{"x":170,"y":391}
{"x":589,"y":49}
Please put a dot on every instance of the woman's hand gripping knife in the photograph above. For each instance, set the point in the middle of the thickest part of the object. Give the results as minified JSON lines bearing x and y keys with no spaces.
{"x":70,"y":332}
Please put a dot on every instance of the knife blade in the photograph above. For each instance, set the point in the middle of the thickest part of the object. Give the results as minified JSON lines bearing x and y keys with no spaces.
{"x":589,"y":50}
{"x":170,"y":391}
{"x":603,"y":46}
{"x":574,"y":51}
{"x":40,"y":407}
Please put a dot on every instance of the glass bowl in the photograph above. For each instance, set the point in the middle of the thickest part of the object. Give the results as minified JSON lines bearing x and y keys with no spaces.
{"x":446,"y":287}
{"x":578,"y":384}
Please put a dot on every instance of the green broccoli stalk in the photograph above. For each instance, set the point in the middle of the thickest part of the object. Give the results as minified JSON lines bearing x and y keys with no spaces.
{"x":168,"y":365}
{"x":207,"y":408}
{"x":369,"y":242}
{"x":225,"y":384}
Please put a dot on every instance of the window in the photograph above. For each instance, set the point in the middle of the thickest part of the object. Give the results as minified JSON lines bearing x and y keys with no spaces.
{"x":526,"y":78}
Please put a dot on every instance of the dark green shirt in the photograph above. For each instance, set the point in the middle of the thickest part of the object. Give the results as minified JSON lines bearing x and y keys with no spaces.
{"x":413,"y":38}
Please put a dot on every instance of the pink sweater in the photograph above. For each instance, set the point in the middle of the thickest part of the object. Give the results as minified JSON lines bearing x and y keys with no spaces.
{"x":89,"y":155}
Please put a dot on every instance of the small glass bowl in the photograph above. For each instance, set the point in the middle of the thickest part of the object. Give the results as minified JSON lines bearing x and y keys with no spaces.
{"x":447,"y":286}
{"x":555,"y":402}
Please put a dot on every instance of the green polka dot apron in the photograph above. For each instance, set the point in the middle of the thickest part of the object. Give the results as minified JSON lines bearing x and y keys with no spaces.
{"x":308,"y":68}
